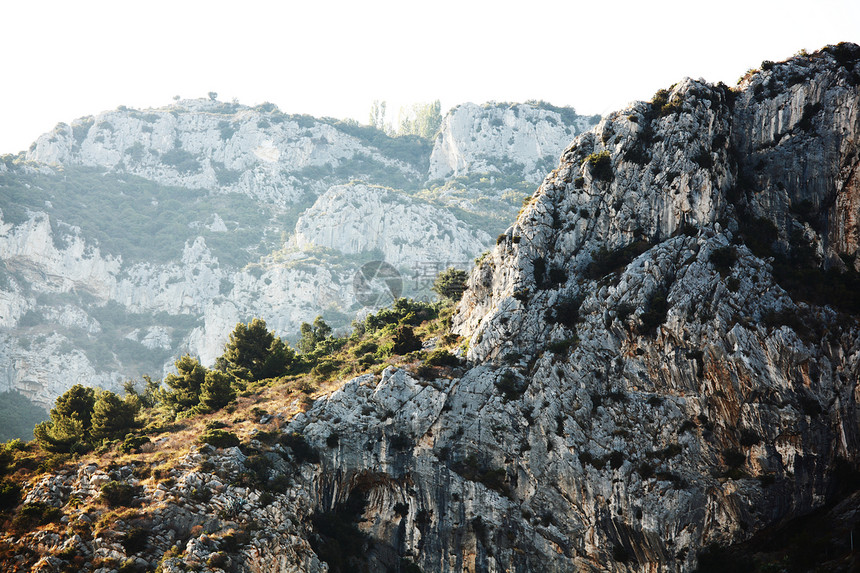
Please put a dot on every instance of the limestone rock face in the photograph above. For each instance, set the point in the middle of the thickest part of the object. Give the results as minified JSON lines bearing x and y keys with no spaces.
{"x":205,"y":144}
{"x":356,"y":218}
{"x":796,"y":131}
{"x":522,"y":138}
{"x":638,"y":386}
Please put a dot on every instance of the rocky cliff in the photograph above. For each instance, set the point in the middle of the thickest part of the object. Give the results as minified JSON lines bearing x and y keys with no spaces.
{"x":647,"y":376}
{"x":503,"y":138}
{"x":158,"y":230}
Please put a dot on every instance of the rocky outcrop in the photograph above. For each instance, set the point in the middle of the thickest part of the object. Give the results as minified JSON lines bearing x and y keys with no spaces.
{"x":191,"y":518}
{"x":503,"y":138}
{"x":796,"y":128}
{"x":643,"y":379}
{"x":206,"y":144}
{"x":356,"y":218}
{"x":642,"y":385}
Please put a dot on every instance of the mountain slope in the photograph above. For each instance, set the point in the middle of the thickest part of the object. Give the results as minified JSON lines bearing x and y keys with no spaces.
{"x":645,"y":378}
{"x":151,"y":233}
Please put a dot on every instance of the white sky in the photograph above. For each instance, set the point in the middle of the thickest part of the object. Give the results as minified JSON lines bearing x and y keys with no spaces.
{"x":63,"y":60}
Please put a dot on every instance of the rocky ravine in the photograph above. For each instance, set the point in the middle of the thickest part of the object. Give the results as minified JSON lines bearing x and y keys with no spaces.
{"x":151,"y":233}
{"x":640,"y":385}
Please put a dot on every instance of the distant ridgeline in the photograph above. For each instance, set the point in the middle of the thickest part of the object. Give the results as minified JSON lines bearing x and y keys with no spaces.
{"x":135,"y":236}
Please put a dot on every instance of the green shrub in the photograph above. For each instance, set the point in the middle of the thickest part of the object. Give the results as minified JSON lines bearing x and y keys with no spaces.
{"x":661,"y":106}
{"x":562,"y":346}
{"x":302,"y":450}
{"x":35,"y":514}
{"x":219,"y":438}
{"x":10,"y":495}
{"x":655,"y":313}
{"x":133,"y":443}
{"x":604,"y":261}
{"x":119,"y":494}
{"x":259,"y":465}
{"x":181,"y":160}
{"x":325,"y":368}
{"x":522,"y":295}
{"x":401,"y":441}
{"x":365,"y":347}
{"x":451,"y":283}
{"x":227,"y":130}
{"x":218,"y":560}
{"x":600,"y":165}
{"x":405,"y":340}
{"x":585,"y":457}
{"x":703,"y":159}
{"x":510,"y":386}
{"x":135,"y":540}
{"x":646,"y":470}
{"x":723,"y":259}
{"x":493,"y":478}
{"x":441,"y":357}
{"x":403,"y":311}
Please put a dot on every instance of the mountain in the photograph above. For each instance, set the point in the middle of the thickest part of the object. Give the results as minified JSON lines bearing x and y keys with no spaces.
{"x":661,"y":375}
{"x":134,"y":236}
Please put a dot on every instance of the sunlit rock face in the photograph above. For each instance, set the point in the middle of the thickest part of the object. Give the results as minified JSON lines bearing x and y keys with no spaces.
{"x":502,"y":138}
{"x":355,"y":219}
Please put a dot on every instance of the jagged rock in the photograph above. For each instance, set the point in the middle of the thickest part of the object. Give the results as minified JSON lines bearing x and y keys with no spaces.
{"x":359,"y":219}
{"x":200,"y":144}
{"x":503,"y":138}
{"x":627,"y":408}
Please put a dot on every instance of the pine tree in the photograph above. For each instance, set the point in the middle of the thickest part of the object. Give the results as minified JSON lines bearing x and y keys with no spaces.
{"x":254,"y":353}
{"x":217,"y":390}
{"x":77,"y":402}
{"x":313,"y":334}
{"x":112,"y":416}
{"x":70,"y":423}
{"x":450,"y":284}
{"x":185,"y":384}
{"x":405,"y":340}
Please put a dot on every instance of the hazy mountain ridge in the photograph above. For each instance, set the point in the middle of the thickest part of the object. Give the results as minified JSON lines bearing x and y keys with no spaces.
{"x":180,"y":221}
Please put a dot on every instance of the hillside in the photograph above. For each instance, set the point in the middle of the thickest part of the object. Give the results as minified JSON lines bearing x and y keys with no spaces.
{"x":655,"y":368}
{"x":134,"y":236}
